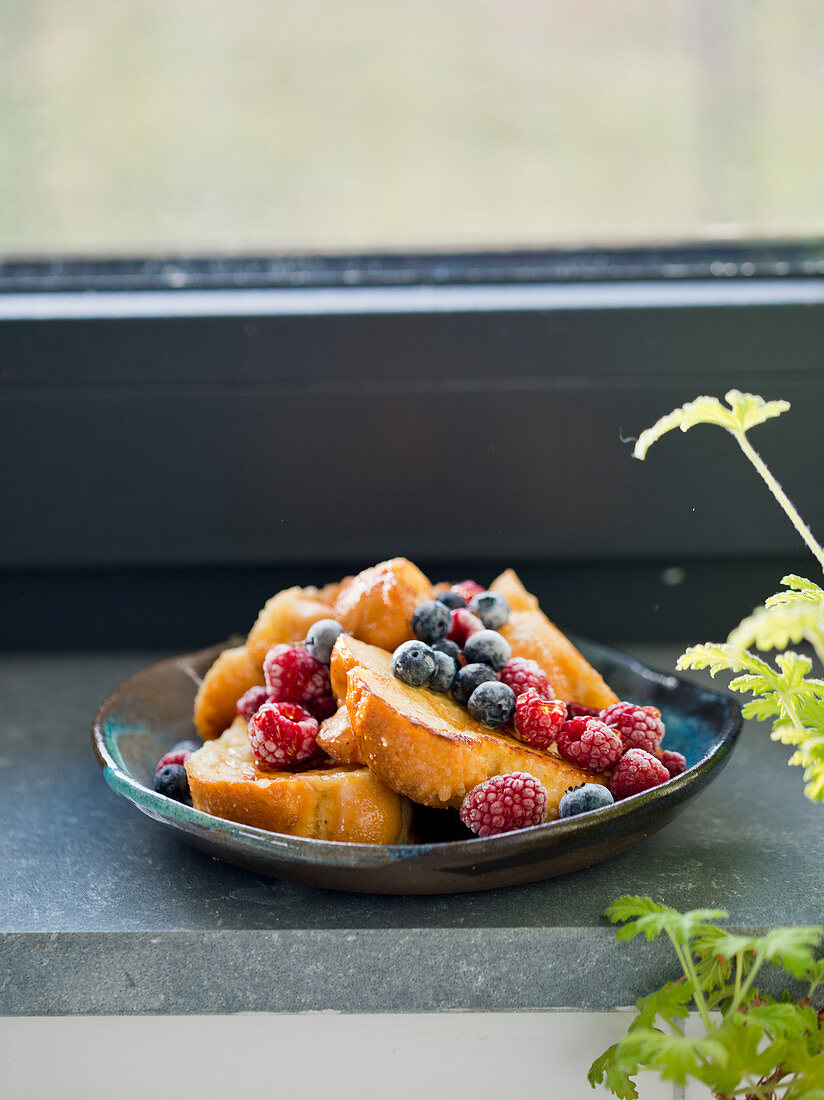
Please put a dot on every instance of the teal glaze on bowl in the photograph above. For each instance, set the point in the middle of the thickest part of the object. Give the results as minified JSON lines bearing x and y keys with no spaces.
{"x":146,"y":714}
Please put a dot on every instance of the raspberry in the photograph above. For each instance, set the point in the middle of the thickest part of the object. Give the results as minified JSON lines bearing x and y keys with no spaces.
{"x":180,"y":756}
{"x":283,"y":734}
{"x":468,"y":589}
{"x":578,"y":710}
{"x":252,"y":700}
{"x":674,"y":762}
{"x":637,"y":771}
{"x":464,"y":623}
{"x":522,"y":675}
{"x":639,"y":727}
{"x":295,"y":676}
{"x":537,"y":720}
{"x":590,"y":743}
{"x":503,"y":803}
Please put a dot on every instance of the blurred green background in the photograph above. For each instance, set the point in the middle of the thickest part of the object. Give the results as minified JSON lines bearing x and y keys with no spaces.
{"x":261,"y":125}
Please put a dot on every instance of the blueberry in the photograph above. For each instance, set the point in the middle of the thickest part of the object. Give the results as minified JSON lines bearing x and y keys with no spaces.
{"x":321,"y":638}
{"x":172,"y":781}
{"x":453,"y":600}
{"x":431,"y":621}
{"x":413,"y":663}
{"x":491,"y":609}
{"x":492,"y":703}
{"x":468,"y":678}
{"x":451,"y":649}
{"x":487,"y":647}
{"x":588,"y":796}
{"x":186,"y":746}
{"x":446,"y":669}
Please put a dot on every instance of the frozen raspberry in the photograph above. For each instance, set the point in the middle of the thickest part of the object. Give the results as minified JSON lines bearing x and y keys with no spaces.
{"x":468,"y":589}
{"x":503,"y":803}
{"x":522,"y":675}
{"x":639,"y":727}
{"x":578,"y":710}
{"x":537,"y":719}
{"x":295,"y":676}
{"x":176,"y":756}
{"x":252,"y":700}
{"x":590,"y":743}
{"x":674,"y":762}
{"x":637,"y":771}
{"x":283,"y":734}
{"x":464,"y":623}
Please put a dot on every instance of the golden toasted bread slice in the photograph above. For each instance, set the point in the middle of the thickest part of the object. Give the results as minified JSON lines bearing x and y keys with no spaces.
{"x":350,"y":652}
{"x":532,"y":635}
{"x":376,"y":605}
{"x":233,"y":673}
{"x":286,"y":618}
{"x":326,"y":801}
{"x":337,"y":738}
{"x":426,"y":746}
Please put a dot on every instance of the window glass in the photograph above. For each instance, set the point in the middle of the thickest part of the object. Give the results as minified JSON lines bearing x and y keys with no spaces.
{"x":260,"y":125}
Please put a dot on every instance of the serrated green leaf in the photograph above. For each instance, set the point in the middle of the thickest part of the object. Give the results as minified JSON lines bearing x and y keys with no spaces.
{"x":788,"y":1020}
{"x":615,"y":1069}
{"x":775,"y":626}
{"x":800,"y":589}
{"x":671,"y":1002}
{"x":746,"y":411}
{"x":792,"y":948}
{"x":762,"y":709}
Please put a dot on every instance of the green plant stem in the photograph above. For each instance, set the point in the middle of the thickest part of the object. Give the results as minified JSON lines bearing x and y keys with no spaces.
{"x":782,"y":498}
{"x":685,"y":959}
{"x":745,"y":988}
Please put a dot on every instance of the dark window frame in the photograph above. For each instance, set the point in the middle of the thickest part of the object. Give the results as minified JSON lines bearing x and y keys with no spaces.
{"x":572,"y":341}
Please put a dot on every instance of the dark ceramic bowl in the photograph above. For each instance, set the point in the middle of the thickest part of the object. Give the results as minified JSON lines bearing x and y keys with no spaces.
{"x":151,"y":710}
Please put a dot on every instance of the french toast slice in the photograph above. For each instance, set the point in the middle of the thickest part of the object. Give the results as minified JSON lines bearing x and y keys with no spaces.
{"x":229,"y":676}
{"x":376,"y":605}
{"x":424,"y":745}
{"x":337,"y":738}
{"x":286,"y":617}
{"x":531,"y":634}
{"x":324,"y":800}
{"x":350,"y":652}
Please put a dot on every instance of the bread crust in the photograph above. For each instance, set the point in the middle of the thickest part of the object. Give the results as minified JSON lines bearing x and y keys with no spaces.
{"x":325,"y":801}
{"x":376,"y":605}
{"x":286,"y":617}
{"x":337,"y":738}
{"x":232,"y":674}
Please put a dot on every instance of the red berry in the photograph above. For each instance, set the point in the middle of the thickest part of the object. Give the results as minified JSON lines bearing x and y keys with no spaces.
{"x":504,"y":803}
{"x":637,"y":771}
{"x":464,"y":623}
{"x":252,"y":700}
{"x":179,"y":756}
{"x":674,"y":762}
{"x":468,"y":589}
{"x":294,"y":676}
{"x":283,"y":734}
{"x":639,"y":727}
{"x":522,"y":675}
{"x":589,"y":743}
{"x":537,"y":720}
